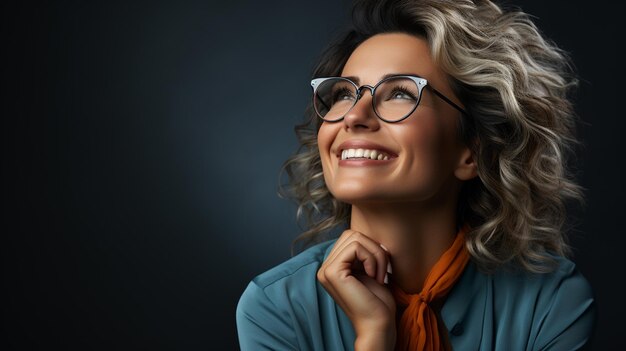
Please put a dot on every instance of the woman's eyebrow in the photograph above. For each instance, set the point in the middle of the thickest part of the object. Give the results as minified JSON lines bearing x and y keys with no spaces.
{"x":357,"y":80}
{"x":352,"y":78}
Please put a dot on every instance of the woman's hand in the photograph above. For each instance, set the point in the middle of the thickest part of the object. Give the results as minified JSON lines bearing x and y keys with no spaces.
{"x":354,"y":275}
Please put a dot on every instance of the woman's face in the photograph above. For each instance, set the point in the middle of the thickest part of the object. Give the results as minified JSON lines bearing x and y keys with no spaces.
{"x":426,"y":158}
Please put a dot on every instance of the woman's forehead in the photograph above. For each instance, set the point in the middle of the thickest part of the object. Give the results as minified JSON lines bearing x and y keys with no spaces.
{"x":391,"y":53}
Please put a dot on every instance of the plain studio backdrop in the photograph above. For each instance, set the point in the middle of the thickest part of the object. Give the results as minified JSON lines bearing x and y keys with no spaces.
{"x":142,"y":143}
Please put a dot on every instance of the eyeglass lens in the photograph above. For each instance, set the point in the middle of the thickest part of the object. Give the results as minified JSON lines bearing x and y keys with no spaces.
{"x":394,"y":98}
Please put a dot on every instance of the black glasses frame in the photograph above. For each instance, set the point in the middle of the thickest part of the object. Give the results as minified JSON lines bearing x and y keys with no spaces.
{"x":419,"y":81}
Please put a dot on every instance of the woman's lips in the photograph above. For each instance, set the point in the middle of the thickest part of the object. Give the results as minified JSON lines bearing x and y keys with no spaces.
{"x":359,"y":162}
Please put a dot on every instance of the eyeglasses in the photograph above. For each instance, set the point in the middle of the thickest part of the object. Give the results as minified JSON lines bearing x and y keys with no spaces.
{"x":393,"y":98}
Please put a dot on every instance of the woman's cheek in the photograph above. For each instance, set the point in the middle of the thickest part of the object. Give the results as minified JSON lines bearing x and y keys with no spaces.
{"x":324,"y":141}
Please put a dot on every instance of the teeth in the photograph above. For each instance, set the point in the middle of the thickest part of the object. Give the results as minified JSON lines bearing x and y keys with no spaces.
{"x":364,"y":153}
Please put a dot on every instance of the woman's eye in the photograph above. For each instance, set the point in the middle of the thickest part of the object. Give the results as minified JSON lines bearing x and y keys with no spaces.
{"x":343,"y":94}
{"x":399,"y":95}
{"x":402,"y":94}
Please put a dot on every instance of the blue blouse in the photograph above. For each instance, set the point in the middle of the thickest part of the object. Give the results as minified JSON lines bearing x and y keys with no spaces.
{"x":286,"y":308}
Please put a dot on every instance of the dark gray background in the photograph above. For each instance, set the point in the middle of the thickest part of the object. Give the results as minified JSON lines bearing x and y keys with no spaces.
{"x":141,"y":148}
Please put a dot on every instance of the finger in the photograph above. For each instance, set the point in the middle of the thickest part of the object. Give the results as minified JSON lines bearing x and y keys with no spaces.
{"x":340,"y":243}
{"x":327,"y":271}
{"x":355,"y":298}
{"x":348,"y":237}
{"x":338,"y":277}
{"x":382,"y":256}
{"x":342,"y":282}
{"x":381,"y":292}
{"x":353,"y":252}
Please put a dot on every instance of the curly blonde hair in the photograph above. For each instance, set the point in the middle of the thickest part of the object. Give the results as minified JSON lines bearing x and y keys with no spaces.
{"x":515,"y":84}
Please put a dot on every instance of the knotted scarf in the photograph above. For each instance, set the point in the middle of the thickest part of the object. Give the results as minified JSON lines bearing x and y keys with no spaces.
{"x":418,"y":329}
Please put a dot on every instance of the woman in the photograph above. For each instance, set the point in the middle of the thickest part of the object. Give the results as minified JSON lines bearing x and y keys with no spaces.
{"x":438,"y":136}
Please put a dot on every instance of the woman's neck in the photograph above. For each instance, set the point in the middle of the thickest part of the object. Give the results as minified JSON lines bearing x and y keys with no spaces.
{"x":415,"y":235}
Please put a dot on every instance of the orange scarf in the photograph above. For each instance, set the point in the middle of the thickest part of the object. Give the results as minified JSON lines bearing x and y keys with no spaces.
{"x":418,"y":329}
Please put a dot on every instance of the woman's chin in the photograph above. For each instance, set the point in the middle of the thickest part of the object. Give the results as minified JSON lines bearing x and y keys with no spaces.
{"x":365,"y":197}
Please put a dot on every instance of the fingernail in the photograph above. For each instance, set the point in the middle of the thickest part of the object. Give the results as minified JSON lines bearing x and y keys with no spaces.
{"x":389,"y":270}
{"x":384,"y":248}
{"x":386,"y":280}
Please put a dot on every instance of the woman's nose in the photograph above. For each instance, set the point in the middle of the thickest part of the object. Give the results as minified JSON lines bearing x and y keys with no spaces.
{"x":362,"y":115}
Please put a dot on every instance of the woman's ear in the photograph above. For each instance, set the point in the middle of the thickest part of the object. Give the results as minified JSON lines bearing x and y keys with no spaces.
{"x":466,"y":166}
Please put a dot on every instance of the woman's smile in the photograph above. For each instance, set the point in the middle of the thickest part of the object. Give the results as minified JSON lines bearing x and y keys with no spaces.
{"x":358,"y":152}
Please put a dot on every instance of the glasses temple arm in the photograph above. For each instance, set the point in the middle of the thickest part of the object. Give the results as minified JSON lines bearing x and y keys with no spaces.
{"x":444,"y":98}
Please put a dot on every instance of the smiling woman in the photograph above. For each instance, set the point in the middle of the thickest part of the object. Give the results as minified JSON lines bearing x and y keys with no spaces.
{"x":423,"y":147}
{"x":438,"y":136}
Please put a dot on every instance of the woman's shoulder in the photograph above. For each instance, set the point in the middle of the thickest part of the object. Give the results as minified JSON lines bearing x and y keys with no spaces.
{"x":278,"y":306}
{"x":297,"y":268}
{"x":562,"y":286}
{"x":554,"y":308}
{"x":513,"y":306}
{"x":562,"y":273}
{"x":295,"y":278}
